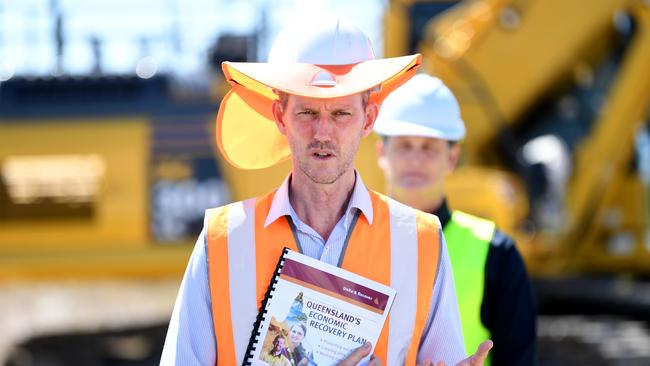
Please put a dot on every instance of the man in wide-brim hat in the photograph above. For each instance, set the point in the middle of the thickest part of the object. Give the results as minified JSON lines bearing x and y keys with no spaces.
{"x":312,"y":102}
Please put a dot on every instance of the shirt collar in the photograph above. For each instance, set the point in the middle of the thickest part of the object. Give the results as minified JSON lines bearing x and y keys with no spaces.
{"x":281,"y":206}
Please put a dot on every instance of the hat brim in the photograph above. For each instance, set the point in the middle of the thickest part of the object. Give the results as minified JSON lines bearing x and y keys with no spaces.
{"x":395,"y":127}
{"x":246,"y":132}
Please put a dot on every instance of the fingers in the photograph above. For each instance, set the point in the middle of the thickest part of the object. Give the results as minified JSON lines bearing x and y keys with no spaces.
{"x":374,"y":361}
{"x":478,"y":358}
{"x":357,"y":355}
{"x":481,"y":353}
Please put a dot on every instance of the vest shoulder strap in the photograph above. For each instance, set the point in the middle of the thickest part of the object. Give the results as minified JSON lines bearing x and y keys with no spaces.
{"x":480,"y":227}
{"x":222,"y":224}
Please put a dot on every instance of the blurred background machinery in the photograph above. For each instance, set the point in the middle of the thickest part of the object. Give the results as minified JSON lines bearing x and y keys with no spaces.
{"x":556,"y":97}
{"x":104,"y":176}
{"x":103,"y":185}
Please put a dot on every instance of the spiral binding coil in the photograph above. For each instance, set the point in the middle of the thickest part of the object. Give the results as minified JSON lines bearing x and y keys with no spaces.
{"x":252,"y":343}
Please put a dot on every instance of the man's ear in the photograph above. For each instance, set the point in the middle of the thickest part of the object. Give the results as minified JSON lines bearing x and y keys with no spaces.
{"x":278,"y":115}
{"x":372,"y":110}
{"x":454,"y":156}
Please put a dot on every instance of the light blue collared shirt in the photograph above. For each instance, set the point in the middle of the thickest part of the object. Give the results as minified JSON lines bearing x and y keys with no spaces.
{"x":190,"y":337}
{"x":312,"y":244}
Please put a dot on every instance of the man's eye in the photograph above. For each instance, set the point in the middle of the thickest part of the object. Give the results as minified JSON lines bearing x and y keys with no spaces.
{"x":307,"y":113}
{"x":342,"y":113}
{"x":429,"y":149}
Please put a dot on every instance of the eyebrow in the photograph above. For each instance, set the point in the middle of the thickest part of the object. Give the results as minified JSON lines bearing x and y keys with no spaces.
{"x":303,"y":106}
{"x":333,"y":108}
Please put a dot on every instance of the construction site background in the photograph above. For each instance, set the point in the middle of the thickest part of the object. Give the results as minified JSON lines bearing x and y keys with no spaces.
{"x":108,"y":159}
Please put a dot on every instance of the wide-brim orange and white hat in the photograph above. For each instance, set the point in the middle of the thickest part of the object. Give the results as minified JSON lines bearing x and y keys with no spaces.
{"x":324,"y":58}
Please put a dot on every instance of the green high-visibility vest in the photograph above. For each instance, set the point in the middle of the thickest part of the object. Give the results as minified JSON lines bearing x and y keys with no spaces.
{"x":468,"y":241}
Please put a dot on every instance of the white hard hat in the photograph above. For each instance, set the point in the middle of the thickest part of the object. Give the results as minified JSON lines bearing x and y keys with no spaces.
{"x":424,"y":107}
{"x":328,"y":40}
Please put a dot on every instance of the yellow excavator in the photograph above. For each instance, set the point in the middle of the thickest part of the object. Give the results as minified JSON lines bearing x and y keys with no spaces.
{"x":556,"y":98}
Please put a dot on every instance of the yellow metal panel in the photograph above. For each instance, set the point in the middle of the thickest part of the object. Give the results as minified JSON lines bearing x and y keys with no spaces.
{"x":120,"y":216}
{"x":517,"y":64}
{"x":396,"y":37}
{"x":602,"y":161}
{"x":499,"y":68}
{"x":152,"y":262}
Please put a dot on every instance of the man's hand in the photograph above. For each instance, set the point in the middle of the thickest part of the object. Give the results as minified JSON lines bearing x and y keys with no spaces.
{"x":358,"y":355}
{"x":477,"y":359}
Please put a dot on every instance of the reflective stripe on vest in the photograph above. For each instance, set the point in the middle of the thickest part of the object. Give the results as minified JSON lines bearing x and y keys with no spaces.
{"x":400,"y":249}
{"x":468,"y":241}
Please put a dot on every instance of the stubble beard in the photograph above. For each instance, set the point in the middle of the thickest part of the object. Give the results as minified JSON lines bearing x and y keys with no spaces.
{"x":342,"y":167}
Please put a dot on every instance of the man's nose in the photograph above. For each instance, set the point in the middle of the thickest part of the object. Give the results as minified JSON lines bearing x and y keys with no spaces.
{"x":323,"y":128}
{"x":414,"y":157}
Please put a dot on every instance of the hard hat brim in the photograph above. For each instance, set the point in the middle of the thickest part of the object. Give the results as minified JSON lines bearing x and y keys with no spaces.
{"x":246,"y":132}
{"x":394,"y":127}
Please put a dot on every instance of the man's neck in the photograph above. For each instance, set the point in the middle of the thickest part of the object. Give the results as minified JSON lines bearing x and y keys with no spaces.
{"x":320,"y":206}
{"x":423,"y":201}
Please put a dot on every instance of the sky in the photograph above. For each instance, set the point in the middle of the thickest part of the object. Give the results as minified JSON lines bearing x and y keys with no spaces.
{"x":168,"y":35}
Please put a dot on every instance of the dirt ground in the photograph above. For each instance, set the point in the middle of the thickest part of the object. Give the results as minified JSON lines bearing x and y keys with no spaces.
{"x":124,"y":323}
{"x":568,"y":340}
{"x":32,"y":311}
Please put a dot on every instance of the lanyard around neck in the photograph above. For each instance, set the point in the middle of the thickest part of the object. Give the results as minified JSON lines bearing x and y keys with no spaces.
{"x":353,"y":224}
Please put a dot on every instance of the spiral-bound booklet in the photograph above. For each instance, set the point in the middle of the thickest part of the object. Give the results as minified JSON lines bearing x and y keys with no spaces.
{"x":316,"y":314}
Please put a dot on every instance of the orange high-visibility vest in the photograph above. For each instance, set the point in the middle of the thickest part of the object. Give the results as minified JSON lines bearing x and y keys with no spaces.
{"x":400,"y":249}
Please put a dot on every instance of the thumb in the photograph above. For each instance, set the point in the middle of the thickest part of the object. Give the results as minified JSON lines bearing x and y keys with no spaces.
{"x":482,"y":352}
{"x":357,"y":355}
{"x":478,"y":358}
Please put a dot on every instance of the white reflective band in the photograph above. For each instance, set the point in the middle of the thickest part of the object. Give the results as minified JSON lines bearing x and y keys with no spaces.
{"x":241,"y":253}
{"x":404,"y":278}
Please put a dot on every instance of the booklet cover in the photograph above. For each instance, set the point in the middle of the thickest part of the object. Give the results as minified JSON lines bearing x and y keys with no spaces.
{"x":316,"y":314}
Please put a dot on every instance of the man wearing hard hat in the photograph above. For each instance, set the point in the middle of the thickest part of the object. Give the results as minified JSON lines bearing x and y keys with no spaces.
{"x":313,"y":101}
{"x":421,"y":127}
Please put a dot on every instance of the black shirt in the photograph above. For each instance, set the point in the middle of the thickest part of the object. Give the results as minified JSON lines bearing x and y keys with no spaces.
{"x":507,"y":310}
